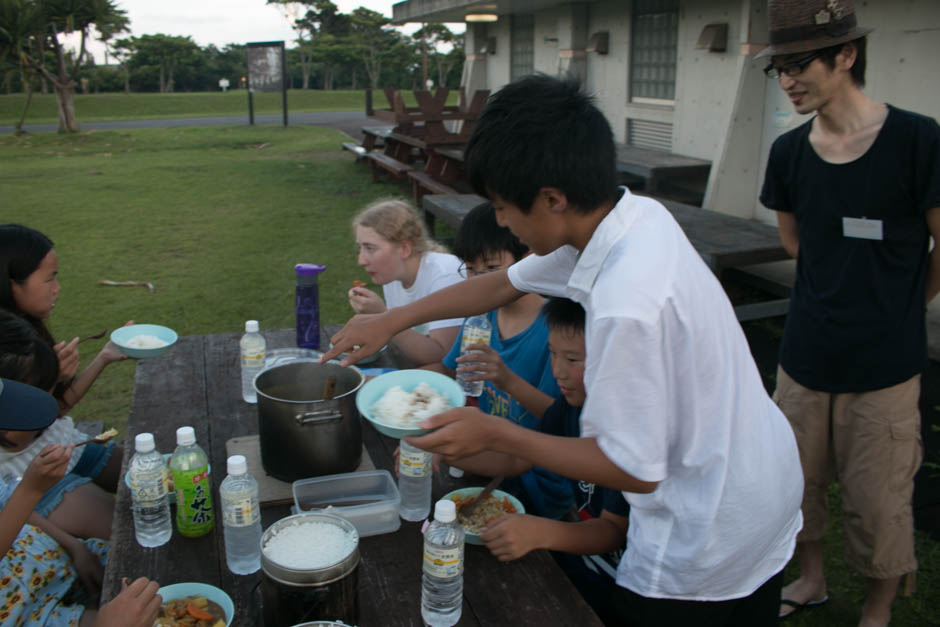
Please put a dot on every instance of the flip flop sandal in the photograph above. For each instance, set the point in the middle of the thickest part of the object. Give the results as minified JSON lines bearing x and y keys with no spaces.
{"x":800,"y":606}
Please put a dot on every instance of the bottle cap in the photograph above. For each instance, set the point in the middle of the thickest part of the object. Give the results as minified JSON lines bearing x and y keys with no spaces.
{"x":445,"y":511}
{"x":453,"y":471}
{"x":309,"y":269}
{"x":237,"y":465}
{"x":185,"y":436}
{"x":143,"y":443}
{"x":251,"y":326}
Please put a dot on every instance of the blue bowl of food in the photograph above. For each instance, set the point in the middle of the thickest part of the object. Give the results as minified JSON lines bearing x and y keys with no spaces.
{"x":395,"y":402}
{"x":497,"y":504}
{"x":197,"y":601}
{"x":142,"y":341}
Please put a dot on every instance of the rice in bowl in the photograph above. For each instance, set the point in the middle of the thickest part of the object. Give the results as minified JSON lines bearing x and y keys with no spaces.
{"x":407,"y":409}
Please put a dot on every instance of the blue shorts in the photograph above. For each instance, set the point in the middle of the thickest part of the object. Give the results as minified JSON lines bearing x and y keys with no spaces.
{"x":93,"y":460}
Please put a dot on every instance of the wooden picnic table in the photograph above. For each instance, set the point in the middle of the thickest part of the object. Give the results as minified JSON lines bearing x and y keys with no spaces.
{"x":197,"y":383}
{"x":655,"y":166}
{"x":724,"y":242}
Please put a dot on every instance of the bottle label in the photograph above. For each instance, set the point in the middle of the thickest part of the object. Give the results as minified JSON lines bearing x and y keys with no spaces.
{"x":148,"y":486}
{"x":413,"y":463}
{"x":474,"y":335}
{"x":241,"y":513}
{"x":255,"y":360}
{"x":442,"y":563}
{"x":193,"y":501}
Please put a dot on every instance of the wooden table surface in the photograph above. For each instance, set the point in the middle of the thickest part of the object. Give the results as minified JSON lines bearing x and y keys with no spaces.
{"x":197,"y":383}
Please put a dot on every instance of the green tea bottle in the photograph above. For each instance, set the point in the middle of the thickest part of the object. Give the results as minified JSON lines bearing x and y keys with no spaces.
{"x":189,"y":466}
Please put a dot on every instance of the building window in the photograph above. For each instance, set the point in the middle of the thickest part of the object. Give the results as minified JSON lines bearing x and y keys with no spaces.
{"x":653,"y":51}
{"x":522,"y":39}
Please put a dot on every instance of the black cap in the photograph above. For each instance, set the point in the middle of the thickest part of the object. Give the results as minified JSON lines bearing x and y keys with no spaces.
{"x":25,"y":408}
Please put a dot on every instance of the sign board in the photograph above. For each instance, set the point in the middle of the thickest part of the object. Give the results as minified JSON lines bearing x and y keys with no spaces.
{"x":265,"y":65}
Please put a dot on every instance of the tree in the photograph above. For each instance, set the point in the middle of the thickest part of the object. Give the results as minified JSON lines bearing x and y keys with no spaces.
{"x":31,"y":28}
{"x":165,"y":56}
{"x":436,"y":36}
{"x":372,"y":40}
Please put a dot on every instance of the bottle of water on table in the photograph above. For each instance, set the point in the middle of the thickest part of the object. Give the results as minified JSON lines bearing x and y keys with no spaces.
{"x":442,"y":581}
{"x":414,"y":482}
{"x":152,"y":524}
{"x":253,"y":353}
{"x":476,"y":330}
{"x":241,"y":518}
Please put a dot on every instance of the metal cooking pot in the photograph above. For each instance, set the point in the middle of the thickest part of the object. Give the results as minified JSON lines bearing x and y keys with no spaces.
{"x":301,"y":434}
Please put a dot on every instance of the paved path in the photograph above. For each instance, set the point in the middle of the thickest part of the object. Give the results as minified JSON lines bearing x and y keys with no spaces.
{"x":347,"y":121}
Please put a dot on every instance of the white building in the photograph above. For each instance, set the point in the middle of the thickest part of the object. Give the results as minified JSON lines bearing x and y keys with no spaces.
{"x":680,"y":75}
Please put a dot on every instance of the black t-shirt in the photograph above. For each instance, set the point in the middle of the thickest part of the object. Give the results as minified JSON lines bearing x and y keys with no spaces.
{"x":856,"y":321}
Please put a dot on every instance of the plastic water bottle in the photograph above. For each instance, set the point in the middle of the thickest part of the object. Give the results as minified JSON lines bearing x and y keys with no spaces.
{"x":476,"y":330}
{"x":442,"y":581}
{"x":241,"y":518}
{"x":190,"y":467}
{"x":253,"y":351}
{"x":414,"y":482}
{"x":152,"y":524}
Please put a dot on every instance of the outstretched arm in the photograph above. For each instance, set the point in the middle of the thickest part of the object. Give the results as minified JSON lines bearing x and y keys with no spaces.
{"x":370,"y":333}
{"x":511,"y":537}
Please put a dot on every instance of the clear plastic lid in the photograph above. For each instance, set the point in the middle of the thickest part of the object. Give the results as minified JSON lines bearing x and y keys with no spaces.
{"x":185,"y":436}
{"x":251,"y":326}
{"x":445,"y":511}
{"x":237,"y":465}
{"x":143,"y":443}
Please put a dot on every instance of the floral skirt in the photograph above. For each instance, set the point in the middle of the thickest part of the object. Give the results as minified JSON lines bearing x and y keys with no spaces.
{"x":38,"y":582}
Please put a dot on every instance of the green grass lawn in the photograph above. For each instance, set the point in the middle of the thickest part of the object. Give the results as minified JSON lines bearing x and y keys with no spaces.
{"x":97,"y":107}
{"x":216,"y":218}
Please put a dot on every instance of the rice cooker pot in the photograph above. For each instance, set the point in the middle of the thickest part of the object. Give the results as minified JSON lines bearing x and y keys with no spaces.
{"x":326,"y":595}
{"x":302,"y":434}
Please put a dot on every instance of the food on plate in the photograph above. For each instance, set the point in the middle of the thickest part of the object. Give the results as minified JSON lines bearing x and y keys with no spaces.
{"x":490,"y":508}
{"x":358,"y":283}
{"x":146,"y":341}
{"x":407,"y":409}
{"x":192,"y":611}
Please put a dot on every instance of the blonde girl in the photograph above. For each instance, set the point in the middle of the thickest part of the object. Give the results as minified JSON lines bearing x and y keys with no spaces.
{"x":397,"y":253}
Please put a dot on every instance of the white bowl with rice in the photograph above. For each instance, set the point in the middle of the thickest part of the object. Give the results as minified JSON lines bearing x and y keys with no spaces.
{"x":396,"y":402}
{"x":142,"y":341}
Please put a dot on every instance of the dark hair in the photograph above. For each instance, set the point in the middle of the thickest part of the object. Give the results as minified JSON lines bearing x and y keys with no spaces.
{"x":24,"y":355}
{"x":542,"y":131}
{"x":22,"y":249}
{"x":480,"y":234}
{"x":857,"y":72}
{"x":564,"y":314}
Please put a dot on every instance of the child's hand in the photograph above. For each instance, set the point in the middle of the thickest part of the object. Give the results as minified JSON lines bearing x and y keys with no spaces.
{"x":487,"y":366}
{"x":365,"y":301}
{"x":90,"y":571}
{"x":68,"y":359}
{"x":47,"y":468}
{"x":110,"y":352}
{"x":136,"y":606}
{"x":511,"y":536}
{"x":458,"y":432}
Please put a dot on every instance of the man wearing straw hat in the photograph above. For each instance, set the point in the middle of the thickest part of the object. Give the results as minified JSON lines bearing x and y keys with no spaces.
{"x":857,"y":195}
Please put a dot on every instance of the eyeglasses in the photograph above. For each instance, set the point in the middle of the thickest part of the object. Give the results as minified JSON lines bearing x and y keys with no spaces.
{"x":466,"y":272}
{"x":793,"y":68}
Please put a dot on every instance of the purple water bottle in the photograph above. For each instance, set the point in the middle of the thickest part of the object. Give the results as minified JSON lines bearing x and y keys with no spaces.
{"x":308,"y":305}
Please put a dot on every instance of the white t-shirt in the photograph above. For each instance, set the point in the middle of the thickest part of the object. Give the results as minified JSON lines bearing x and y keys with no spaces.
{"x":674,"y":396}
{"x":436,"y":271}
{"x":61,"y":431}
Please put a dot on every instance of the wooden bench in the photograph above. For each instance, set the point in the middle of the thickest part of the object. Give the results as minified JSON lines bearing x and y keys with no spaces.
{"x":397,"y":169}
{"x":724,"y":242}
{"x":422,"y":183}
{"x":373,"y":138}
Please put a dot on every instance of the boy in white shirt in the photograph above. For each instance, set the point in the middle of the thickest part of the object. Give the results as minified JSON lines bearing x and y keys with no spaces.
{"x":676,"y":414}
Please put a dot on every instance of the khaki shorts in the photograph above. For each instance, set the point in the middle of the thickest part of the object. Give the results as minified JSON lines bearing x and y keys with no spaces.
{"x":870,"y":443}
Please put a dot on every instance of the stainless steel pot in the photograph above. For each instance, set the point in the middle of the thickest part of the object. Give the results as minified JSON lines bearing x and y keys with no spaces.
{"x":291,"y":596}
{"x":301,"y":434}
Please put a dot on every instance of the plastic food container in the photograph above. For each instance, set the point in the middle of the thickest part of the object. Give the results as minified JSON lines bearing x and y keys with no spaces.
{"x":368,"y":499}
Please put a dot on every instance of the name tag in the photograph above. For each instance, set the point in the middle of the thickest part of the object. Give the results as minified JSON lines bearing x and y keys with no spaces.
{"x":862,"y":228}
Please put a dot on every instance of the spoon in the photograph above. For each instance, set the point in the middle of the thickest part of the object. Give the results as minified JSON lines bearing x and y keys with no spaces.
{"x":468,"y":508}
{"x":101,"y":438}
{"x":93,"y":337}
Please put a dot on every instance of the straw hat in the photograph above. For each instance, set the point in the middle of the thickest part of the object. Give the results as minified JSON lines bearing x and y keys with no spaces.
{"x":806,"y":25}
